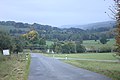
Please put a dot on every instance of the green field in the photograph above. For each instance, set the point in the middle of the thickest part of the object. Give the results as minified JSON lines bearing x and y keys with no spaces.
{"x":93,"y":44}
{"x":49,"y":43}
{"x":97,"y":44}
{"x":98,"y":56}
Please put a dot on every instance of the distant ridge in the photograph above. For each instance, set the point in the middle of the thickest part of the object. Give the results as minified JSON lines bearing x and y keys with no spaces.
{"x":92,"y":25}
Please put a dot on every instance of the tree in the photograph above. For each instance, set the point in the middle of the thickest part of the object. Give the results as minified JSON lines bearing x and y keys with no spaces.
{"x":42,"y":41}
{"x":117,"y":17}
{"x":72,"y":47}
{"x":65,"y":48}
{"x":19,"y":44}
{"x":116,"y":12}
{"x":80,"y":48}
{"x":56,"y":47}
{"x":6,"y":41}
{"x":32,"y":37}
{"x":69,"y":47}
{"x":103,"y":40}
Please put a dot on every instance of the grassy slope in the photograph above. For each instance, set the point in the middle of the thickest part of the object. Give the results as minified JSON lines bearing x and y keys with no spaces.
{"x":49,"y":43}
{"x":97,"y":44}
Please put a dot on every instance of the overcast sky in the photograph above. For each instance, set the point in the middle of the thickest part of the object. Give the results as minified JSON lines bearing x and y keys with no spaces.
{"x":55,"y":12}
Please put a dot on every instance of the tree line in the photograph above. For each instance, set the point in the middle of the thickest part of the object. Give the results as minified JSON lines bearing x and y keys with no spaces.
{"x":66,"y":34}
{"x":17,"y":43}
{"x":67,"y":47}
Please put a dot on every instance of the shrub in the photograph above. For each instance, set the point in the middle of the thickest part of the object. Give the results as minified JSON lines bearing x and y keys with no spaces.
{"x":104,"y":49}
{"x":80,"y":48}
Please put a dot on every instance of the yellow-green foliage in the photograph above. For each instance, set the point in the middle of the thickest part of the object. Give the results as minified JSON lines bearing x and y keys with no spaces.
{"x":31,"y":35}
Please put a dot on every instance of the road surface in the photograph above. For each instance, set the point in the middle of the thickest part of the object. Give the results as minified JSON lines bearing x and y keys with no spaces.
{"x":44,"y":68}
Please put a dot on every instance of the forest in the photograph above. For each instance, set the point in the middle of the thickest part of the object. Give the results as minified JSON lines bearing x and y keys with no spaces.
{"x":62,"y":34}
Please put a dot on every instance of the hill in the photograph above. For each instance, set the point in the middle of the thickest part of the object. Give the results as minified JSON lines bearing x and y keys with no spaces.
{"x":95,"y":31}
{"x":92,"y":25}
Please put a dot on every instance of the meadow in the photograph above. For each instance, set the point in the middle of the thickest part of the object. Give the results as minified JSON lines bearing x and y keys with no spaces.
{"x":96,"y":44}
{"x":49,"y":43}
{"x":92,"y":43}
{"x":97,"y":56}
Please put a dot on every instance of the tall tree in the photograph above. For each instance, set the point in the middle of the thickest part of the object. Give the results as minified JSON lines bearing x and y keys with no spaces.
{"x":19,"y":44}
{"x":6,"y":41}
{"x":80,"y":48}
{"x":103,"y":40}
{"x":32,"y":36}
{"x":117,"y":17}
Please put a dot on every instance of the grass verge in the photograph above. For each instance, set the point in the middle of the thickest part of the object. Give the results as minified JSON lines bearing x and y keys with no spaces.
{"x":27,"y":67}
{"x":111,"y":70}
{"x":14,"y":67}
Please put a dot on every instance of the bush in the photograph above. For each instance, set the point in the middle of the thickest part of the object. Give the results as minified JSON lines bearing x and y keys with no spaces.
{"x":68,"y":47}
{"x":80,"y":48}
{"x":103,"y":40}
{"x":104,"y":49}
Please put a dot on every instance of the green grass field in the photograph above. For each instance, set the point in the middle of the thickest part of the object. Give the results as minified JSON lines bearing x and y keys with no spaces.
{"x":49,"y":43}
{"x":97,"y":44}
{"x":93,"y":44}
{"x":98,"y":56}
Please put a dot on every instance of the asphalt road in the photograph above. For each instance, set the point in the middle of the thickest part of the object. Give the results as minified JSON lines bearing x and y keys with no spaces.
{"x":44,"y":68}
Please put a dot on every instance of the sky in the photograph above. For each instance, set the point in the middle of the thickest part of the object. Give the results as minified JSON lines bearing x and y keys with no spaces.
{"x":55,"y":12}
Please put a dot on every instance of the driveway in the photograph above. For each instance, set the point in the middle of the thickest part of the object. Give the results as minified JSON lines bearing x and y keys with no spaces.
{"x":45,"y":68}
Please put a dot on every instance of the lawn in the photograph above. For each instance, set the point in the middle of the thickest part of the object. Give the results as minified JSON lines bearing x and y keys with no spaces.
{"x":14,"y":67}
